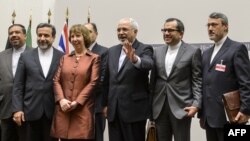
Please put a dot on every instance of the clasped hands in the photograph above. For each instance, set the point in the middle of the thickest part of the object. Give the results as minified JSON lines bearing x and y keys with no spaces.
{"x":67,"y":105}
{"x":129,"y":51}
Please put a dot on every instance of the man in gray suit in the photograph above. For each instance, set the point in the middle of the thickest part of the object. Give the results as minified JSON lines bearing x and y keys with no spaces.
{"x":176,"y":84}
{"x":99,"y":94}
{"x":33,"y":96}
{"x":8,"y":64}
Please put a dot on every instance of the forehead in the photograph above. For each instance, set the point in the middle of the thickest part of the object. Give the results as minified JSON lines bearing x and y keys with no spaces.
{"x":44,"y":30}
{"x":124,"y":24}
{"x":15,"y":28}
{"x":170,"y":24}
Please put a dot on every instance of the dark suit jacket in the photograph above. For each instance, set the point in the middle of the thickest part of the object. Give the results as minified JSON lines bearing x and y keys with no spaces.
{"x":127,"y":89}
{"x":6,"y":83}
{"x":33,"y":92}
{"x":99,"y":94}
{"x":215,"y":83}
{"x":183,"y":85}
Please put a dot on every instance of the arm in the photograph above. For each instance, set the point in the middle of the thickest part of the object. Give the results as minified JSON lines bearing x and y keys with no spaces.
{"x":18,"y":92}
{"x":87,"y":90}
{"x":196,"y":84}
{"x":242,"y":70}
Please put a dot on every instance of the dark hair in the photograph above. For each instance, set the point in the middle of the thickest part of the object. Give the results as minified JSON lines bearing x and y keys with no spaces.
{"x":93,"y":25}
{"x":180,"y":26}
{"x":41,"y":25}
{"x":78,"y":28}
{"x":217,"y":15}
{"x":20,"y":25}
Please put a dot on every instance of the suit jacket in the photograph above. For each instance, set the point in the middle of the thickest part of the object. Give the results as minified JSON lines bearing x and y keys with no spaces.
{"x":236,"y":75}
{"x":6,"y":83}
{"x":99,"y":94}
{"x":183,"y":85}
{"x":127,"y":89}
{"x":32,"y":91}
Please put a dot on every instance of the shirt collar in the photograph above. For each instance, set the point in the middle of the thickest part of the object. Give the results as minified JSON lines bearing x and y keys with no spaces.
{"x":177,"y":46}
{"x":21,"y":49}
{"x":219,"y":43}
{"x":91,"y":46}
{"x":46,"y":51}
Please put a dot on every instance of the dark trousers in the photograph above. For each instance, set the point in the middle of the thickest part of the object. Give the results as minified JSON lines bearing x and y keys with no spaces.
{"x":100,"y":122}
{"x":38,"y":130}
{"x":168,"y":126}
{"x":214,"y":134}
{"x":9,"y":130}
{"x":121,"y":131}
{"x":75,"y":140}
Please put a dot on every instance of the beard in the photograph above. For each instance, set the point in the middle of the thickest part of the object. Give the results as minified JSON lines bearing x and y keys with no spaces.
{"x":44,"y":47}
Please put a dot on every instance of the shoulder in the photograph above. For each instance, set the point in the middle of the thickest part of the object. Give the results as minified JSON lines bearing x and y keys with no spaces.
{"x":7,"y":51}
{"x":56,"y":51}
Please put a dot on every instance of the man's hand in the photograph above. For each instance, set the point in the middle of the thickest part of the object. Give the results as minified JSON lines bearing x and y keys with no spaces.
{"x":73,"y":105}
{"x":65,"y":105}
{"x":104,"y":111}
{"x":241,"y":118}
{"x":191,"y":111}
{"x":130,"y":51}
{"x":18,"y":117}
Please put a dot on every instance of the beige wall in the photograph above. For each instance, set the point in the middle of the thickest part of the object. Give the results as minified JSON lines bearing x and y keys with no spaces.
{"x":149,"y":13}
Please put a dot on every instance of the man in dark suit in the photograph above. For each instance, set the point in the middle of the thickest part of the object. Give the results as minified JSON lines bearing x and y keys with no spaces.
{"x":127,"y":90}
{"x":226,"y":67}
{"x":176,"y":83}
{"x":33,"y":96}
{"x":8,"y":64}
{"x":99,"y":94}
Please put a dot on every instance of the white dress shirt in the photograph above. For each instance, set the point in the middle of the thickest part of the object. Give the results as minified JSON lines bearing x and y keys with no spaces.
{"x":45,"y":58}
{"x":217,"y":47}
{"x":170,"y":57}
{"x":122,"y":57}
{"x":15,"y":57}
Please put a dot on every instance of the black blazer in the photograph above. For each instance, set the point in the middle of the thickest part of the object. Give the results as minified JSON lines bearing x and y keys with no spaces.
{"x":99,"y":94}
{"x":33,"y":92}
{"x":127,"y":90}
{"x":6,"y":83}
{"x":234,"y":56}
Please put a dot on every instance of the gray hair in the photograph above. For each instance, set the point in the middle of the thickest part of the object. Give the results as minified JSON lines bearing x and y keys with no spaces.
{"x":134,"y":24}
{"x":217,"y":15}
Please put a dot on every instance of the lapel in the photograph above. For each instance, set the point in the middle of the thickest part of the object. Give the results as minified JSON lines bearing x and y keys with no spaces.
{"x":163,"y":53}
{"x":135,"y":46}
{"x":37,"y":61}
{"x":53,"y":63}
{"x":95,"y":48}
{"x":180,"y":53}
{"x":222,"y":50}
{"x":9,"y":61}
{"x":115,"y":57}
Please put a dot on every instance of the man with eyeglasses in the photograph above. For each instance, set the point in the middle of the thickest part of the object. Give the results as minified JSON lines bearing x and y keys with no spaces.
{"x":175,"y":84}
{"x":226,"y":67}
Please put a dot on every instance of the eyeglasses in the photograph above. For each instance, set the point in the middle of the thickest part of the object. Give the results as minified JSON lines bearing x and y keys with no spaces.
{"x":168,"y":30}
{"x":212,"y":24}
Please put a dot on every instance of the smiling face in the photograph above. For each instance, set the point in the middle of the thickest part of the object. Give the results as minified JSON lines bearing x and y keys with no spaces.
{"x":216,"y":29}
{"x":125,"y":31}
{"x":171,"y":35}
{"x":16,"y":36}
{"x":44,"y":37}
